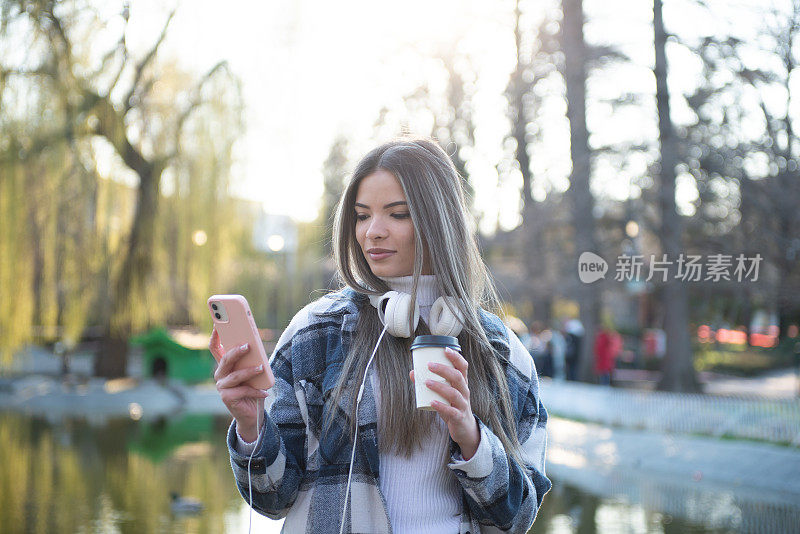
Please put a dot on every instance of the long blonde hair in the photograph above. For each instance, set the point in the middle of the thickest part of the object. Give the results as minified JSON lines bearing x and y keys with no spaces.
{"x":439,"y":212}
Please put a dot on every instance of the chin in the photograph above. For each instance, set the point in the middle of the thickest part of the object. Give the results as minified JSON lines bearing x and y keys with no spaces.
{"x":387,"y":271}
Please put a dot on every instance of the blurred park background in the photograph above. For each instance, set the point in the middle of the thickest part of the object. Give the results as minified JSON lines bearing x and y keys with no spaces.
{"x":155,"y":153}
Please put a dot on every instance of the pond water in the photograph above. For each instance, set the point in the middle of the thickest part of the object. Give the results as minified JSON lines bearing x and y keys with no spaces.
{"x":117,"y":477}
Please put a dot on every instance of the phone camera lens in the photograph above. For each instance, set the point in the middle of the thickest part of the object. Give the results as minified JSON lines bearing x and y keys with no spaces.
{"x":218,"y":316}
{"x":214,"y":307}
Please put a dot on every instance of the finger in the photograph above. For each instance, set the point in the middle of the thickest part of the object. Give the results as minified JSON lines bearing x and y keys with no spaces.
{"x":231,"y":395}
{"x":229,"y":360}
{"x":237,"y":377}
{"x":448,"y":413}
{"x":451,"y":394}
{"x":411,"y":374}
{"x":214,"y":344}
{"x":453,"y":377}
{"x":458,"y":361}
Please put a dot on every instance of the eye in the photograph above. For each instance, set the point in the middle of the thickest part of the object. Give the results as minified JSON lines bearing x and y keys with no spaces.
{"x":401,"y":215}
{"x":361,"y":216}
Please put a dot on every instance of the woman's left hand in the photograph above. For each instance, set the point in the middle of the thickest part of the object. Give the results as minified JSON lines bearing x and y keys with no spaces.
{"x":458,"y":414}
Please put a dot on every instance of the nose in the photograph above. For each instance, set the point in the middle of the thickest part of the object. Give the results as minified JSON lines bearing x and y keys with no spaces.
{"x":376,"y":228}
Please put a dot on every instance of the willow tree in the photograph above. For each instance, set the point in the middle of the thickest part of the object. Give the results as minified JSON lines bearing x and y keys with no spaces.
{"x":112,"y":99}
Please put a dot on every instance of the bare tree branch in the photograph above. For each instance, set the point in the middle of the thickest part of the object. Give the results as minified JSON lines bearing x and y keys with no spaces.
{"x":38,"y":71}
{"x":123,"y":46}
{"x":142,"y":65}
{"x":59,"y":35}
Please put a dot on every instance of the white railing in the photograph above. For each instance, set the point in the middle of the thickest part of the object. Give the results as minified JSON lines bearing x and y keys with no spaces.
{"x":772,"y":420}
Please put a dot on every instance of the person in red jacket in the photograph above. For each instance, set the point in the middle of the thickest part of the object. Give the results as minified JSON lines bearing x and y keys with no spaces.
{"x":607,"y":345}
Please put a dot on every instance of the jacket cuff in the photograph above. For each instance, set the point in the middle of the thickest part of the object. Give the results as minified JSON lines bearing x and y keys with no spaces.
{"x":242,"y":446}
{"x":481,"y":463}
{"x":267,"y":449}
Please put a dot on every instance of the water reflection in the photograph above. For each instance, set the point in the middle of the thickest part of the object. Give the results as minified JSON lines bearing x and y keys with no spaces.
{"x":72,"y":476}
{"x":633,"y":503}
{"x":570,"y":510}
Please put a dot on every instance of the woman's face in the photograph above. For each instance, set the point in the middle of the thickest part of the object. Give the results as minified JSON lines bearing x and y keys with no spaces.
{"x":383,"y":225}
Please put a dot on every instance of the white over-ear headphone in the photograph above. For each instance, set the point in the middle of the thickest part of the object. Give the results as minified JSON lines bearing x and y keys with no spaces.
{"x":393,"y":308}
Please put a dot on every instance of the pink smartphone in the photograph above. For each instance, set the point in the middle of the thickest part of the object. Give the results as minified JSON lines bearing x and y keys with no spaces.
{"x":235,"y":324}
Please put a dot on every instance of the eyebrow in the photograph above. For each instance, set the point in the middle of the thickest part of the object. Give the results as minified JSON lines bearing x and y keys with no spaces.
{"x":387,"y":206}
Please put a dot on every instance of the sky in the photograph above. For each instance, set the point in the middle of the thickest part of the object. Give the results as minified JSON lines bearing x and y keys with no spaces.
{"x":315,"y":70}
{"x":312,"y":70}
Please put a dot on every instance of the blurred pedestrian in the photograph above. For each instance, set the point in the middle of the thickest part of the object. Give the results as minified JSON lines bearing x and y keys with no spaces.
{"x":607,"y":346}
{"x":558,"y":349}
{"x":537,"y":346}
{"x":573,"y":335}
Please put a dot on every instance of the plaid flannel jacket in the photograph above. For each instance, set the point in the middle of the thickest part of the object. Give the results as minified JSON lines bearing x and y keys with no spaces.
{"x":302,"y":479}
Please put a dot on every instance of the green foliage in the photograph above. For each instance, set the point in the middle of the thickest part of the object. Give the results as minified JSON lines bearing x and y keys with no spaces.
{"x":740,"y":360}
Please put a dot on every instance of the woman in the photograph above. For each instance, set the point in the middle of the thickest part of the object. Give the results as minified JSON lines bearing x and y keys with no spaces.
{"x":474,"y":464}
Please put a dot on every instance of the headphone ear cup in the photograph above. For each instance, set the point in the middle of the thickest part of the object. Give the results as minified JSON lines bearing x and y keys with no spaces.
{"x":379,"y":303}
{"x":443,"y":321}
{"x":397,"y":315}
{"x":393,"y":309}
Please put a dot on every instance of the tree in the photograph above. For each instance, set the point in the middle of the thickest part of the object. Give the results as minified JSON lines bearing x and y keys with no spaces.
{"x":579,"y":193}
{"x":678,"y":368}
{"x":534,"y":62}
{"x":744,"y":141}
{"x":334,"y":170}
{"x":113,"y":102}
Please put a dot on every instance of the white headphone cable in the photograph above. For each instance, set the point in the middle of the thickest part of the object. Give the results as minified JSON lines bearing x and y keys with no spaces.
{"x":259,"y":410}
{"x":355,"y":434}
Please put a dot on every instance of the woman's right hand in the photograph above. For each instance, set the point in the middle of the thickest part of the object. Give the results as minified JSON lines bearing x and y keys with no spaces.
{"x":244,"y":402}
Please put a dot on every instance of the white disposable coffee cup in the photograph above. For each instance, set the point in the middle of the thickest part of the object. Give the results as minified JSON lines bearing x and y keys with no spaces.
{"x":427,"y":349}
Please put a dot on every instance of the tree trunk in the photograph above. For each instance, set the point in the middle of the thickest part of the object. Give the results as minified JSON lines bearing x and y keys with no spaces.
{"x":678,"y":372}
{"x":579,"y":192}
{"x":112,"y":360}
{"x":531,"y":218}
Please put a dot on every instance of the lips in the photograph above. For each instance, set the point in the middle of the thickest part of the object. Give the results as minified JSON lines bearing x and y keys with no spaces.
{"x":377,"y":254}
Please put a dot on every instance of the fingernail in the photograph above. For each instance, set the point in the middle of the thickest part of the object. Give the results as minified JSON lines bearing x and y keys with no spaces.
{"x":260,"y":367}
{"x":429,"y":382}
{"x":243,"y":347}
{"x":432,"y":365}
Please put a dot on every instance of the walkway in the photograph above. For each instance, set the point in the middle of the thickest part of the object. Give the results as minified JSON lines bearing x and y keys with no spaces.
{"x":740,"y":417}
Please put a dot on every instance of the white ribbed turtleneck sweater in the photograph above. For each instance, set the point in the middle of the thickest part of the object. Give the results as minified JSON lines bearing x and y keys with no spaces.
{"x":422,"y":493}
